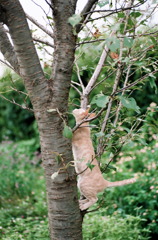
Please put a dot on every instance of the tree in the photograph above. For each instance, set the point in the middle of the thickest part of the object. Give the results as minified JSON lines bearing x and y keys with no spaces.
{"x":49,"y":97}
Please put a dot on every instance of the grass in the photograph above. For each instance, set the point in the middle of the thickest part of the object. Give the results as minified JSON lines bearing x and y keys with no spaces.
{"x":127,"y":213}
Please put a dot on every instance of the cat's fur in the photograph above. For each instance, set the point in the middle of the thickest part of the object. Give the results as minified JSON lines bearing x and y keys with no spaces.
{"x":90,"y":182}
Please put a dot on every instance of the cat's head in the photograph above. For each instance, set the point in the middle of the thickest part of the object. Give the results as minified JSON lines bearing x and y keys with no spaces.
{"x":81,"y":113}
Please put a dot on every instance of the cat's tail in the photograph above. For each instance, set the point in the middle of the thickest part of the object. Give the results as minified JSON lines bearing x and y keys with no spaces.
{"x":120,"y":183}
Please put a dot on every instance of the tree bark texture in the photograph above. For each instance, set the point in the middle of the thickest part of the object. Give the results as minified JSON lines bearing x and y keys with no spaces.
{"x":64,"y":215}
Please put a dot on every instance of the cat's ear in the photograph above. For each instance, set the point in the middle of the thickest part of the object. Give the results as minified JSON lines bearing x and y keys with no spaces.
{"x":90,"y":115}
{"x":86,"y":112}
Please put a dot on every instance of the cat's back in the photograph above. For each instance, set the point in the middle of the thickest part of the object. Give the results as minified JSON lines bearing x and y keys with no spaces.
{"x":81,"y":134}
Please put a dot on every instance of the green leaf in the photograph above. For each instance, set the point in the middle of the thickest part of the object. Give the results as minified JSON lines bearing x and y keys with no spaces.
{"x":100,"y":134}
{"x":122,"y":26}
{"x":116,"y":27}
{"x":74,"y":20}
{"x":126,"y":60}
{"x":121,"y":15}
{"x":135,"y":14}
{"x":67,"y":132}
{"x":48,"y":17}
{"x":152,"y":83}
{"x":142,"y":141}
{"x":154,"y":40}
{"x":112,"y":167}
{"x":130,"y":25}
{"x":100,"y":100}
{"x":126,"y":129}
{"x":129,"y":103}
{"x":115,"y":45}
{"x":128,"y":42}
{"x":90,"y":166}
{"x":103,"y":3}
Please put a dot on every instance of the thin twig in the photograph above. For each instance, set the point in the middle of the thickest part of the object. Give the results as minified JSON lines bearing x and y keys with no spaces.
{"x":39,"y":25}
{"x":76,"y":83}
{"x":72,"y":85}
{"x":79,"y":78}
{"x":115,"y":10}
{"x":90,"y":5}
{"x":92,"y":81}
{"x":7,"y":64}
{"x":44,"y":13}
{"x":122,"y":36}
{"x":16,"y":90}
{"x":111,"y":13}
{"x":109,"y":75}
{"x":88,"y":120}
{"x":134,"y":83}
{"x":12,"y":101}
{"x":46,"y":42}
{"x":120,"y":104}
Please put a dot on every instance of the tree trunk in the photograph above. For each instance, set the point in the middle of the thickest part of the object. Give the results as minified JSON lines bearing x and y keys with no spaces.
{"x":65,"y":220}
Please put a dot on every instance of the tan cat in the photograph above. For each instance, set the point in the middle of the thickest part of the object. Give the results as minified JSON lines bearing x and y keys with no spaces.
{"x":90,"y":182}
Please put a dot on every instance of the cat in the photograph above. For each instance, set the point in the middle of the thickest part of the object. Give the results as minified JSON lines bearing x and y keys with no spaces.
{"x":90,"y":181}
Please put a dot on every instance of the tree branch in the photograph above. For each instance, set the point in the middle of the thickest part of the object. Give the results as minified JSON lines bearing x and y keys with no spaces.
{"x":7,"y":64}
{"x":92,"y":81}
{"x":113,"y":12}
{"x":7,"y":50}
{"x":31,"y":70}
{"x":79,"y":78}
{"x":90,"y":4}
{"x":72,"y":85}
{"x":134,"y":83}
{"x":36,"y":39}
{"x":15,"y":103}
{"x":88,"y":120}
{"x":120,"y":104}
{"x":122,"y":36}
{"x":39,"y":25}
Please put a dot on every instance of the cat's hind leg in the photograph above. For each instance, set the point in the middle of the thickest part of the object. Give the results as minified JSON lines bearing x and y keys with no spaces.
{"x":86,"y":203}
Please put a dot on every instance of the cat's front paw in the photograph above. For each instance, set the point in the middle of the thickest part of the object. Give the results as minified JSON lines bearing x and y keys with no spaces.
{"x":83,"y":206}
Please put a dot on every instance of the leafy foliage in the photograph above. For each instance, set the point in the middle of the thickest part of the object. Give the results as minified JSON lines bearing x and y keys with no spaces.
{"x":15,"y":123}
{"x":74,"y":20}
{"x":67,"y":132}
{"x":114,"y":227}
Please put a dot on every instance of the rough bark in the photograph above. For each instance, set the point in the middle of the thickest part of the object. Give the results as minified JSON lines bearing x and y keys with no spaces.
{"x":64,"y":214}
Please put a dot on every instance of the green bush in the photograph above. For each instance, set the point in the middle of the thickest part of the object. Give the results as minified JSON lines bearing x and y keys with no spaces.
{"x":17,"y":172}
{"x":31,"y":228}
{"x":15,"y":122}
{"x":23,"y":213}
{"x":138,"y":198}
{"x":98,"y":227}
